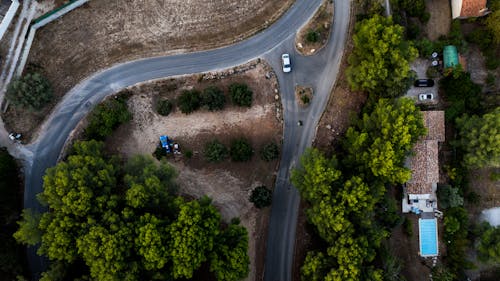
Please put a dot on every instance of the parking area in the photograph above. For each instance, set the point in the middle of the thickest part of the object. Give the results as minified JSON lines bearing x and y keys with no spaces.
{"x":431,"y":94}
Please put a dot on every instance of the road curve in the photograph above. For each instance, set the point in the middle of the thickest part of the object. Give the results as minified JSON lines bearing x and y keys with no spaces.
{"x":319,"y":70}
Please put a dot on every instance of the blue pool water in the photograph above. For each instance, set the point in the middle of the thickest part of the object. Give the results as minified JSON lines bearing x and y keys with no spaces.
{"x":428,"y":237}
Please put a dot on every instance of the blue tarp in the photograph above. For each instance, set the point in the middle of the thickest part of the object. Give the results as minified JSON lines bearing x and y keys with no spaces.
{"x":428,"y":236}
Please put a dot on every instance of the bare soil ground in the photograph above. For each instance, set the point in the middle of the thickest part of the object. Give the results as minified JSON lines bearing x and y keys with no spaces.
{"x":321,"y":22}
{"x":342,"y":104}
{"x":440,"y":21}
{"x":102,"y":33}
{"x":486,"y":188}
{"x":229,"y":184}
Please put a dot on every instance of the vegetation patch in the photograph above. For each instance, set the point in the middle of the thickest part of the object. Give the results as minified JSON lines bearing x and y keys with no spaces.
{"x":128,"y":217}
{"x":303,"y":95}
{"x":106,"y":117}
{"x":314,"y":35}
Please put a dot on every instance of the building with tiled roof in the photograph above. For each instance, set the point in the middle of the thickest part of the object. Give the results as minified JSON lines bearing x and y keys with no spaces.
{"x":420,"y":190}
{"x":462,"y":9}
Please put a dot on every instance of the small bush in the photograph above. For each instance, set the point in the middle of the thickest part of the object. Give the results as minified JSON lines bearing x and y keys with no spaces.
{"x":261,"y":197}
{"x":164,"y":107}
{"x":32,"y":91}
{"x":305,"y":99}
{"x":106,"y":117}
{"x":188,"y":154}
{"x":490,"y":80}
{"x":189,"y":101}
{"x":425,"y":47}
{"x":241,"y":150}
{"x":215,"y":151}
{"x":159,"y":152}
{"x":270,"y":152}
{"x":241,"y":94}
{"x":213,"y":98}
{"x":312,"y":36}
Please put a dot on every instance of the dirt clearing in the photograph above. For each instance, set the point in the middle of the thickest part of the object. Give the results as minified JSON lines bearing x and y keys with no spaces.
{"x":229,"y":183}
{"x":440,"y":21}
{"x":342,"y":104}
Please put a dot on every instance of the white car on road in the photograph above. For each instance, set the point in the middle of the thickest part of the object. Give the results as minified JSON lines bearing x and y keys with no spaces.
{"x":285,"y":60}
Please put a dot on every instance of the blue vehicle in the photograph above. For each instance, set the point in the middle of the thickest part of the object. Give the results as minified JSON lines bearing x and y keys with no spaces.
{"x":166,"y":143}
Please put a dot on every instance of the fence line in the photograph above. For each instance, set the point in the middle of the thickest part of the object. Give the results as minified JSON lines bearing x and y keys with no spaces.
{"x":43,"y":20}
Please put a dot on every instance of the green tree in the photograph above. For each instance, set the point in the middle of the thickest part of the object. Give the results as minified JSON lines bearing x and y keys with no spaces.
{"x":240,"y":150}
{"x":56,"y":272}
{"x":316,"y":175}
{"x":315,"y":267}
{"x":213,"y":98}
{"x":493,"y":19}
{"x":270,"y":152}
{"x":379,"y":63}
{"x":489,"y":245}
{"x":105,"y":251}
{"x":106,"y":117}
{"x":378,"y":143}
{"x":71,"y":186}
{"x":150,"y":241}
{"x":449,"y":197}
{"x":192,"y":236}
{"x":480,"y":138}
{"x":149,"y":184}
{"x":189,"y":101}
{"x":229,"y":260}
{"x":261,"y":197}
{"x":241,"y":94}
{"x":312,"y":36}
{"x":463,"y":94}
{"x":28,"y":232}
{"x":215,"y":151}
{"x":32,"y":91}
{"x":164,"y":107}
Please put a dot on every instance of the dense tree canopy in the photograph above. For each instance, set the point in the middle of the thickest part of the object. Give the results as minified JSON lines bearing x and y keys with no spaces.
{"x":380,"y":61}
{"x":480,"y":138}
{"x":32,"y":91}
{"x":125,"y":222}
{"x":378,"y":142}
{"x":493,"y":19}
{"x":489,"y":245}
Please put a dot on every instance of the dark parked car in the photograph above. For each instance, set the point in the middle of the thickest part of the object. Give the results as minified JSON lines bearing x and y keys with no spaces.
{"x":424,"y":83}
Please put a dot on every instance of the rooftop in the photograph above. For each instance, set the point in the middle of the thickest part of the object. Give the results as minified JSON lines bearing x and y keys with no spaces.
{"x":468,"y":8}
{"x":424,"y":163}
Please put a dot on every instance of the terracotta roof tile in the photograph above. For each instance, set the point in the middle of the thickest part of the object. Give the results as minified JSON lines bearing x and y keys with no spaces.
{"x":434,"y":122}
{"x":424,"y":163}
{"x":473,"y":8}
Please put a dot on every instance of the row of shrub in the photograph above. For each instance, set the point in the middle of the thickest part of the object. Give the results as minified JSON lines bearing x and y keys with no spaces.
{"x":240,"y":150}
{"x":212,"y":97}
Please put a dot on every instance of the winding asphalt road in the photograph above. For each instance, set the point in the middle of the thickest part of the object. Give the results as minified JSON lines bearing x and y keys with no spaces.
{"x":319,"y":70}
